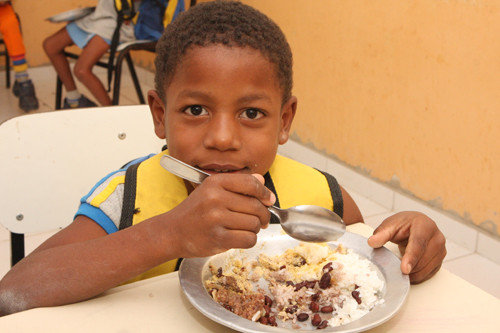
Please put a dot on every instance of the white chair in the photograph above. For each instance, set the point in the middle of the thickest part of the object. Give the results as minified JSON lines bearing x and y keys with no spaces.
{"x":48,"y":161}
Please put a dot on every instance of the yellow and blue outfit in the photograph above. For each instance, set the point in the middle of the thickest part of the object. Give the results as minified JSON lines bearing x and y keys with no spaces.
{"x":143,"y":189}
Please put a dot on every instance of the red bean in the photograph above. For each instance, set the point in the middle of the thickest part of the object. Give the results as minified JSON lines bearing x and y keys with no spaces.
{"x":316,"y":320}
{"x":322,"y":325}
{"x":314,"y":307}
{"x":302,"y":316}
{"x":325,"y":281}
{"x":356,"y":296}
{"x":327,"y":309}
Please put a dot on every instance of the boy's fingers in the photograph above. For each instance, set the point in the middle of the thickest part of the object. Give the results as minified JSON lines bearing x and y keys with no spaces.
{"x":429,"y":261}
{"x":259,"y":177}
{"x":379,"y":238}
{"x":387,"y":232}
{"x":413,"y":254}
{"x":249,"y":186}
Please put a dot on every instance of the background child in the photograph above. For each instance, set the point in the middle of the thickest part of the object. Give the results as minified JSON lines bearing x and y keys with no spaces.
{"x":93,"y":34}
{"x":23,"y":86}
{"x":223,"y":103}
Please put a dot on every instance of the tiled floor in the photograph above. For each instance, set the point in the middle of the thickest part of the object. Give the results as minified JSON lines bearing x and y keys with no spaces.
{"x":376,"y":202}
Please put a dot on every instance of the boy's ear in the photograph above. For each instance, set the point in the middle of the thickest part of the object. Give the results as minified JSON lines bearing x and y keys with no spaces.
{"x":287,"y":115}
{"x":157,"y":109}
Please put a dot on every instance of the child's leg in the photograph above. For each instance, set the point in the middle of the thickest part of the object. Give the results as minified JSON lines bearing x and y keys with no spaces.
{"x":92,"y":52}
{"x":54,"y":46}
{"x":9,"y":27}
{"x":23,"y":87}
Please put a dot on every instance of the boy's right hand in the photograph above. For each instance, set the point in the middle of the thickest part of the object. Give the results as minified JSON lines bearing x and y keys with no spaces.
{"x":226,"y":211}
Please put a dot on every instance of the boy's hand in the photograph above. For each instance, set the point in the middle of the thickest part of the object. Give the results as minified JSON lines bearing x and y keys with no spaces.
{"x":226,"y":211}
{"x":419,"y":240}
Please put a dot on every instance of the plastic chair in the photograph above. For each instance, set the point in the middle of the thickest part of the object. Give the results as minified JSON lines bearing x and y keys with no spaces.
{"x":50,"y":160}
{"x":123,"y":54}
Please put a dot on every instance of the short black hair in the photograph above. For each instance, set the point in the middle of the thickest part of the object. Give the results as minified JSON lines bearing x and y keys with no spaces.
{"x":228,"y":23}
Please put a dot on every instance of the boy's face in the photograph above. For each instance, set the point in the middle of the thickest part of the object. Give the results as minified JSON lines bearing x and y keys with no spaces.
{"x":224,"y":110}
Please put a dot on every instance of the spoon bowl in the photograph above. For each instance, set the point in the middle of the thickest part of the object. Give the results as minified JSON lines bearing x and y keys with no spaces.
{"x":307,"y":223}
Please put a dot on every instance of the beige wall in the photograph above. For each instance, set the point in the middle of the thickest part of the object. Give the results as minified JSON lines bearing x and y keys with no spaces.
{"x":406,"y":91}
{"x":36,"y":28}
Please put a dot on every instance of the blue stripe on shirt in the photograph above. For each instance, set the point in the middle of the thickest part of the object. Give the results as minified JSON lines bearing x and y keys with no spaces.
{"x":98,"y":216}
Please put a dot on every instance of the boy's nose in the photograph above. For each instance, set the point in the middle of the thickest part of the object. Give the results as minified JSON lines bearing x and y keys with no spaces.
{"x":223,"y":134}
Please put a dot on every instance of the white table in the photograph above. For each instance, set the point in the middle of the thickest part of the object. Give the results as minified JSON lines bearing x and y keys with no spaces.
{"x":445,"y":303}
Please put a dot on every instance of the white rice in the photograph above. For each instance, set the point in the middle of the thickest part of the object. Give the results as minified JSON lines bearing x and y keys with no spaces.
{"x":357,"y":271}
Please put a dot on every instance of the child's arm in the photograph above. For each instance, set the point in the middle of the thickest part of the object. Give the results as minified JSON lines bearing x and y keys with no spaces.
{"x":351,"y":210}
{"x":420,"y":242}
{"x":82,"y":261}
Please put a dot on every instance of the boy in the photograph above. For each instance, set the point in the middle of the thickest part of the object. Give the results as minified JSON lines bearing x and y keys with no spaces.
{"x":223,"y":103}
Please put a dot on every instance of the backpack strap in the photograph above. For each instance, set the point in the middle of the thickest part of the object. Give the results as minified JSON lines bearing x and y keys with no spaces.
{"x":336,"y":192}
{"x":128,"y":205}
{"x":270,"y":185}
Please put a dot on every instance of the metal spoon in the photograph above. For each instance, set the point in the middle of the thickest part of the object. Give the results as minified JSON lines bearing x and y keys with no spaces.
{"x":307,"y":223}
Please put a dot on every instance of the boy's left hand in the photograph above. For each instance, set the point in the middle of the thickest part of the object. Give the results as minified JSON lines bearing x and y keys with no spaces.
{"x":419,"y":240}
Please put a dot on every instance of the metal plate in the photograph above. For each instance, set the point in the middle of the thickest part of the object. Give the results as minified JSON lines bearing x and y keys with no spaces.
{"x":71,"y":15}
{"x":193,"y":272}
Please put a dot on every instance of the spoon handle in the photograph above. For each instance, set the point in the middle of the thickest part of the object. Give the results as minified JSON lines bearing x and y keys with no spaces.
{"x":183,"y":170}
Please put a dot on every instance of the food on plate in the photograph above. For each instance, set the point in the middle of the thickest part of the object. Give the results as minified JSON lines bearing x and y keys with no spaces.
{"x":308,"y":286}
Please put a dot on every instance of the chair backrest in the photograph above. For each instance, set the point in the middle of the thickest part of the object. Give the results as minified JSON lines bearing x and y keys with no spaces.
{"x":48,"y":161}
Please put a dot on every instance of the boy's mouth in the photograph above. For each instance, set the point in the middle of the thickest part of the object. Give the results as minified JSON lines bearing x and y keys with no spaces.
{"x":213,"y":169}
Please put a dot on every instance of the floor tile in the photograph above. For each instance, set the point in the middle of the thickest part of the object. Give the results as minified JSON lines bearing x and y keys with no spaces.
{"x":303,"y":154}
{"x":455,"y":251}
{"x":375,"y":220}
{"x":489,"y":247}
{"x":370,"y":189}
{"x":367,"y":207}
{"x":478,"y":270}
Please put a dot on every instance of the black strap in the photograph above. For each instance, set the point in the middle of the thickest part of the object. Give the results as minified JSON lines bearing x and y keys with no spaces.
{"x":338,"y":201}
{"x":128,"y":205}
{"x":128,"y":208}
{"x":270,"y":185}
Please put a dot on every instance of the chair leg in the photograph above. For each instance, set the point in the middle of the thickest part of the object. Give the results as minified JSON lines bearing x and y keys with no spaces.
{"x":58,"y":93}
{"x":133,"y":74}
{"x":7,"y":68}
{"x":16,"y":247}
{"x":117,"y":80}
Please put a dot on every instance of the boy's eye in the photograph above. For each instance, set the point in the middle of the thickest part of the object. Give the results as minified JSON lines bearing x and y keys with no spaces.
{"x":252,"y":114}
{"x":196,"y":110}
